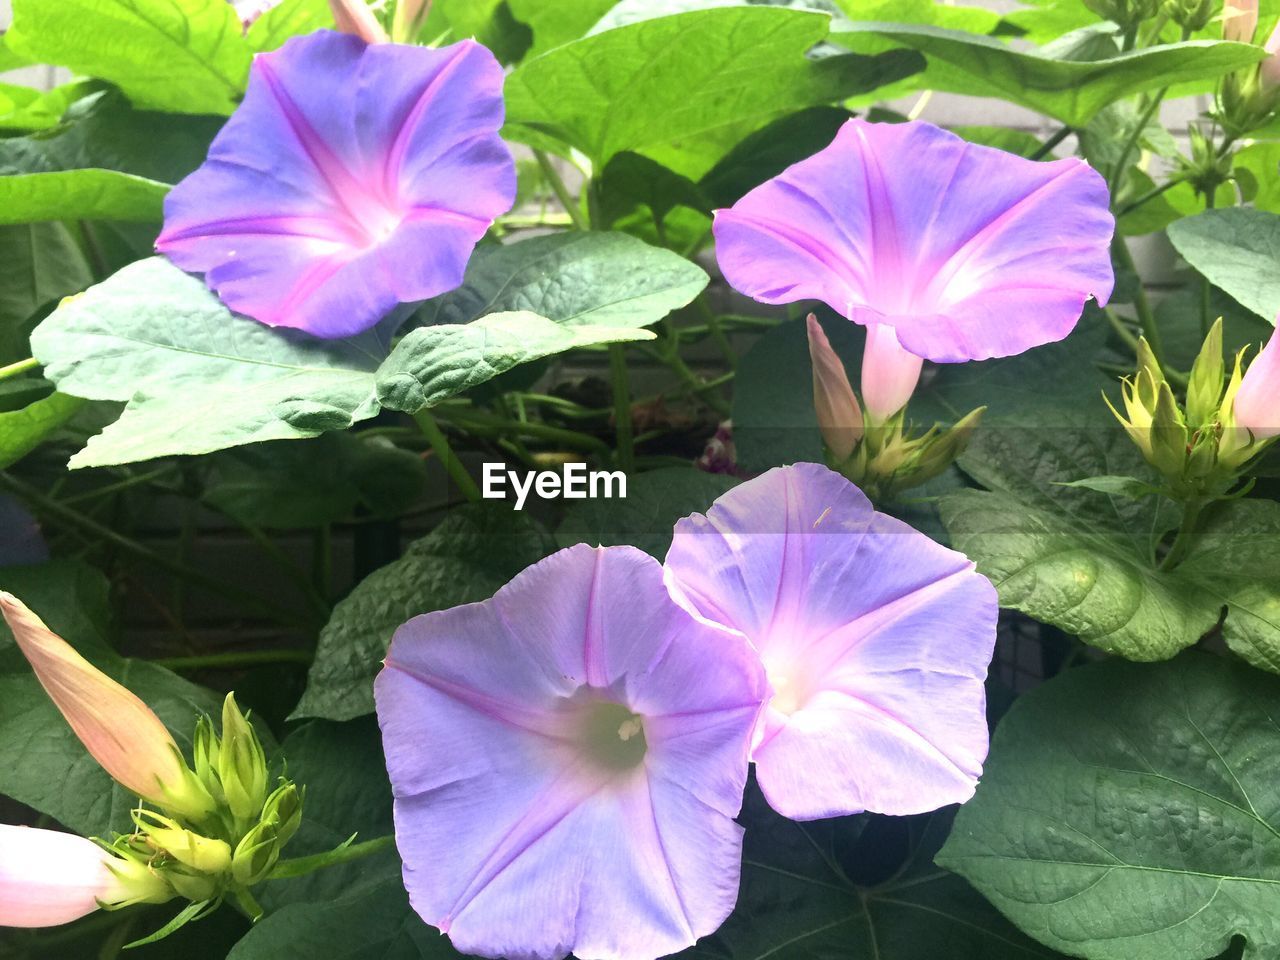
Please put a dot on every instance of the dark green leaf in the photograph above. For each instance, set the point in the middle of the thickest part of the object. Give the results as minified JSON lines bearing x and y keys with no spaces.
{"x":1130,"y":812}
{"x":42,"y":263}
{"x":631,"y":180}
{"x":23,"y":430}
{"x":467,"y":558}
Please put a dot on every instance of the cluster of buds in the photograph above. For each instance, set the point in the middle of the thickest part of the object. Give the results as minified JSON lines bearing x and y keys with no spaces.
{"x":1127,"y":13}
{"x":1201,"y":449}
{"x":871,"y":442}
{"x":1249,"y":97}
{"x":1190,"y":15}
{"x":217,"y":828}
{"x":357,"y":18}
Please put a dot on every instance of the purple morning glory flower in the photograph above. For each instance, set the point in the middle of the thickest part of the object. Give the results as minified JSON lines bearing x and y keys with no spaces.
{"x":876,"y":641}
{"x":567,"y":759}
{"x":965,"y":251}
{"x":351,"y":179}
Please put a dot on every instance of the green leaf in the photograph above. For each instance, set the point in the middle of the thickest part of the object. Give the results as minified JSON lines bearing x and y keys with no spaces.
{"x":555,"y":22}
{"x":680,"y":77}
{"x":797,"y":901}
{"x":196,"y":376}
{"x":1237,"y":250}
{"x":1086,"y":561}
{"x":1070,"y":91}
{"x":80,"y":195}
{"x":467,"y":558}
{"x":1130,"y":812}
{"x":23,"y":430}
{"x":72,"y":599}
{"x":432,"y":364}
{"x":291,"y":18}
{"x":1257,"y":170}
{"x":576,"y":279}
{"x":24,"y":108}
{"x":305,"y":484}
{"x":373,"y":923}
{"x":1130,"y":487}
{"x":655,"y":501}
{"x":632,"y":180}
{"x":185,"y":56}
{"x":42,"y":263}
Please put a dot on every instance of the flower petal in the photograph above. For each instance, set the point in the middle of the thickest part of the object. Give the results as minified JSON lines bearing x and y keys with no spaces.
{"x":48,"y":878}
{"x":351,"y":179}
{"x":516,"y":842}
{"x":876,"y":641}
{"x":967,"y":251}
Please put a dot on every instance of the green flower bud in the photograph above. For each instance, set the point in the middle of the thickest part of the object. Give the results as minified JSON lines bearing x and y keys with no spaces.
{"x":1204,"y":389}
{"x":283,"y":810}
{"x":1191,"y":15}
{"x":242,"y":764}
{"x":943,"y":450}
{"x":205,"y":749}
{"x":205,"y":854}
{"x":256,"y":855}
{"x":1168,"y":435}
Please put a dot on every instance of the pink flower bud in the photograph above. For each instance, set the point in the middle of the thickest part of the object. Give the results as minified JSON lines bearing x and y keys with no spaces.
{"x":118,"y":729}
{"x":889,"y":373}
{"x":355,"y":17}
{"x":1269,"y":69}
{"x":1239,"y":20}
{"x":409,"y":17}
{"x":839,"y":416}
{"x":1257,"y":403}
{"x":48,"y":878}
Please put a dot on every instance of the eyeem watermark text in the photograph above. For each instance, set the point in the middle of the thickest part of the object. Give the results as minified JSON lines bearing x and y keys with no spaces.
{"x":576,"y":482}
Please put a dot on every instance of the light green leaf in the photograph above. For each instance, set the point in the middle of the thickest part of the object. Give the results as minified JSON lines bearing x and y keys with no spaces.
{"x":23,"y":430}
{"x":291,"y":18}
{"x":432,"y":364}
{"x":1087,"y":561}
{"x":798,"y":903}
{"x":1130,"y":812}
{"x":679,"y":77}
{"x":555,"y":22}
{"x":577,"y":279}
{"x":466,"y":559}
{"x":1257,"y":170}
{"x":1237,"y":250}
{"x":184,"y":56}
{"x":197,"y":377}
{"x":23,"y":108}
{"x":1070,"y":91}
{"x":1130,"y":487}
{"x":80,"y":195}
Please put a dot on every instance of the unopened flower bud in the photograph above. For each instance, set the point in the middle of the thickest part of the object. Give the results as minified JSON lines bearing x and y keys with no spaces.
{"x":1257,"y":402}
{"x":889,"y":373}
{"x":205,"y":854}
{"x":1204,"y":388}
{"x":49,"y":878}
{"x":1239,"y":20}
{"x":120,"y":732}
{"x":1168,"y":435}
{"x":283,"y":810}
{"x":839,"y":416}
{"x":256,"y":855}
{"x":943,"y":451}
{"x":242,"y":763}
{"x":355,"y":17}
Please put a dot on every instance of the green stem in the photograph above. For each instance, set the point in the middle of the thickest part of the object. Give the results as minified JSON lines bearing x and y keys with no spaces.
{"x":119,"y":486}
{"x":1150,"y":195}
{"x":1191,"y":511}
{"x":1047,"y":147}
{"x":1206,"y":288}
{"x":435,"y":436}
{"x":717,"y":332}
{"x":19,"y":368}
{"x":622,"y":407}
{"x":562,"y":193}
{"x":75,"y":518}
{"x":235,"y":660}
{"x":472,"y":419}
{"x":1122,"y":162}
{"x":301,"y":866}
{"x":1121,"y":330}
{"x":1146,"y":316}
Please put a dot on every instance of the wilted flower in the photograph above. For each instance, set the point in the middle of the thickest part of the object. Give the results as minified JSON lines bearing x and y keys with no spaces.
{"x":49,"y":878}
{"x":351,"y":179}
{"x":355,"y":17}
{"x":720,"y":455}
{"x":120,"y":732}
{"x":876,"y":641}
{"x":1239,"y":20}
{"x":839,"y":416}
{"x":567,"y":759}
{"x":1257,"y":402}
{"x":965,"y":252}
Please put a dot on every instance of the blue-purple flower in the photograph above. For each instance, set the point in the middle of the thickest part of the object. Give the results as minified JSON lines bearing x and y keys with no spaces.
{"x":875,"y":639}
{"x":567,"y":759}
{"x":351,"y":179}
{"x":947,"y":250}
